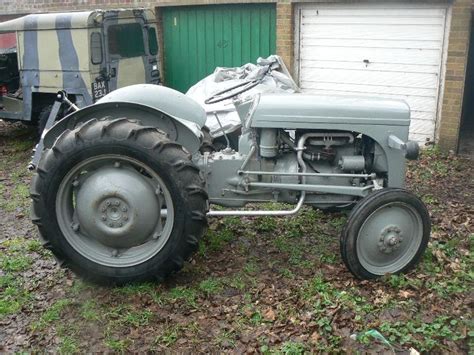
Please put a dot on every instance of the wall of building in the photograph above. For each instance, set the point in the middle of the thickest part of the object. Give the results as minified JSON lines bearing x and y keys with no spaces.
{"x":456,"y":61}
{"x":456,"y":64}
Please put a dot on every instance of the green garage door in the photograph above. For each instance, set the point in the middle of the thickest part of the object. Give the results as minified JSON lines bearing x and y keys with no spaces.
{"x":199,"y":38}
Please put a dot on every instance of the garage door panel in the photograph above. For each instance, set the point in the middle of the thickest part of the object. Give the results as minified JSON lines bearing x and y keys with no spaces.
{"x":374,"y":55}
{"x":384,"y":32}
{"x":391,"y":51}
{"x":375,"y":10}
{"x":377,"y":67}
{"x":373,"y":43}
{"x":359,"y":77}
{"x":421,"y":126}
{"x":421,"y":138}
{"x":369,"y":90}
{"x":372,"y":21}
{"x":197,"y":39}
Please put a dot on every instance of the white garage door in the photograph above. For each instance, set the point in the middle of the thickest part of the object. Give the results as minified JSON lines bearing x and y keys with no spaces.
{"x":394,"y":51}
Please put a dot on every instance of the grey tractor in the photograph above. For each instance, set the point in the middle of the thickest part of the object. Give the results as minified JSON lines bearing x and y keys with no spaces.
{"x":124,"y":187}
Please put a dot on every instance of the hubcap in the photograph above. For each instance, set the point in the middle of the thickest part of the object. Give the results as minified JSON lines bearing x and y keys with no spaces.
{"x":389,"y":238}
{"x":115,"y":210}
{"x":117,"y":206}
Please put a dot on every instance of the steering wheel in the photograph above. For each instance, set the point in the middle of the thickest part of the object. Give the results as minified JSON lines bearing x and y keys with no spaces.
{"x":232,"y":91}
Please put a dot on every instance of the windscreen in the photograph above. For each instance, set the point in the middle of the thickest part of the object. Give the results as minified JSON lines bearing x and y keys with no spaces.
{"x":126,"y":40}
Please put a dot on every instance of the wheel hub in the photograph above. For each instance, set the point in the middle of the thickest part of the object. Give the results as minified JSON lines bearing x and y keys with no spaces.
{"x":390,"y":239}
{"x":114,"y":212}
{"x":117,"y":207}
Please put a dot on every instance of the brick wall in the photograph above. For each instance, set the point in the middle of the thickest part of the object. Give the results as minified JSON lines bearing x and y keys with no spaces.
{"x":456,"y":62}
{"x":285,"y":33}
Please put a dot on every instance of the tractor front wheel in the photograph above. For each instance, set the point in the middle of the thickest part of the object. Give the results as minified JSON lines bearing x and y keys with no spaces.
{"x":386,"y":233}
{"x":118,"y":202}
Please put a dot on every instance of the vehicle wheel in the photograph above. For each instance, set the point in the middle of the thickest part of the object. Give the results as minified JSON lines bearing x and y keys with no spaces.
{"x":386,"y":233}
{"x":118,"y":202}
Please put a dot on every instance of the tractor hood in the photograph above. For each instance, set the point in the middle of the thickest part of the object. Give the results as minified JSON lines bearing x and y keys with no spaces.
{"x":305,"y":111}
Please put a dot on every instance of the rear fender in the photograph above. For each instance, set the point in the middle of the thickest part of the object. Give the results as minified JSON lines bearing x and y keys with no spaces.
{"x":186,"y":133}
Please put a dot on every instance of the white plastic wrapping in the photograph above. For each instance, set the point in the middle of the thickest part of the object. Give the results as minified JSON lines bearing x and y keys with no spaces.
{"x":278,"y":80}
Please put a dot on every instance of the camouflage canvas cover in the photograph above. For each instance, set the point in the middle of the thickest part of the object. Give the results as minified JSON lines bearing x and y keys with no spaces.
{"x":86,"y":53}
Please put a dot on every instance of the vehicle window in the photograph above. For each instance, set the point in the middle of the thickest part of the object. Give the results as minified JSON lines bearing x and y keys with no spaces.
{"x":152,"y":41}
{"x":96,"y":48}
{"x":126,"y":40}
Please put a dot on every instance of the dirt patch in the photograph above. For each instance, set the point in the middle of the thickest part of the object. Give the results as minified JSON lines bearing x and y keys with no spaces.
{"x":264,"y":284}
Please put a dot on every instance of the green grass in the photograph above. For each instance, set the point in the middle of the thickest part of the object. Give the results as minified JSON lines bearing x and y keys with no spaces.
{"x":90,"y":311}
{"x":215,"y":240}
{"x":13,"y":296}
{"x":293,"y":348}
{"x":52,"y":314}
{"x":119,"y":345}
{"x":68,"y":345}
{"x":126,"y":315}
{"x":423,"y":336}
{"x":184,"y":294}
{"x":210,"y":286}
{"x":15,"y":263}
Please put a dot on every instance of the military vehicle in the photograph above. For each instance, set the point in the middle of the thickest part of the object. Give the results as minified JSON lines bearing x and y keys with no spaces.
{"x":123,"y":187}
{"x":86,"y":54}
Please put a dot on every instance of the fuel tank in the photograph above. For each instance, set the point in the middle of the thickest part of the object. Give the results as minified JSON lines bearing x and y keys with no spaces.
{"x":303,"y":111}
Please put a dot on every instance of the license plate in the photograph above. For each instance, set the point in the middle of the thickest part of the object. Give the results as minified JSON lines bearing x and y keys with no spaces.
{"x":99,"y":89}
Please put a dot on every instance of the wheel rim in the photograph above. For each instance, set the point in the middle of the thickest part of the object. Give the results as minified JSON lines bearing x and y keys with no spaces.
{"x":114,"y":210}
{"x":389,"y":238}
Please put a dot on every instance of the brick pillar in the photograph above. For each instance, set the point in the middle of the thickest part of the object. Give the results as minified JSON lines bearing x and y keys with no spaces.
{"x":458,"y":48}
{"x":285,"y":33}
{"x":159,"y":27}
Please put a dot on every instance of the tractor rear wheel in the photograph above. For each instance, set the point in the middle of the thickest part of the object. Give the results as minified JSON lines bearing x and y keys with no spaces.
{"x":386,"y":233}
{"x":118,"y":202}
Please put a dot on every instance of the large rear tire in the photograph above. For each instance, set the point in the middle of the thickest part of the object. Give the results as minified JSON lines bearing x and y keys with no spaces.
{"x":386,"y":233}
{"x":118,"y":202}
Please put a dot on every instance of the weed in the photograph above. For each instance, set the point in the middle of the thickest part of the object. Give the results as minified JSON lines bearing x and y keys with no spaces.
{"x":188,"y":295}
{"x":266,"y":224}
{"x":52,"y":314}
{"x":136,"y":289}
{"x":429,"y":199}
{"x":256,"y":318}
{"x":423,"y":336}
{"x":125,"y":315}
{"x":287,"y":273}
{"x":68,"y":345}
{"x":13,"y":297}
{"x":15,"y":263}
{"x":237,"y":282}
{"x":117,"y":345}
{"x":226,"y":338}
{"x":251,"y":267}
{"x":210,"y":286}
{"x":169,"y":336}
{"x":293,"y":348}
{"x":215,"y":241}
{"x":89,"y":311}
